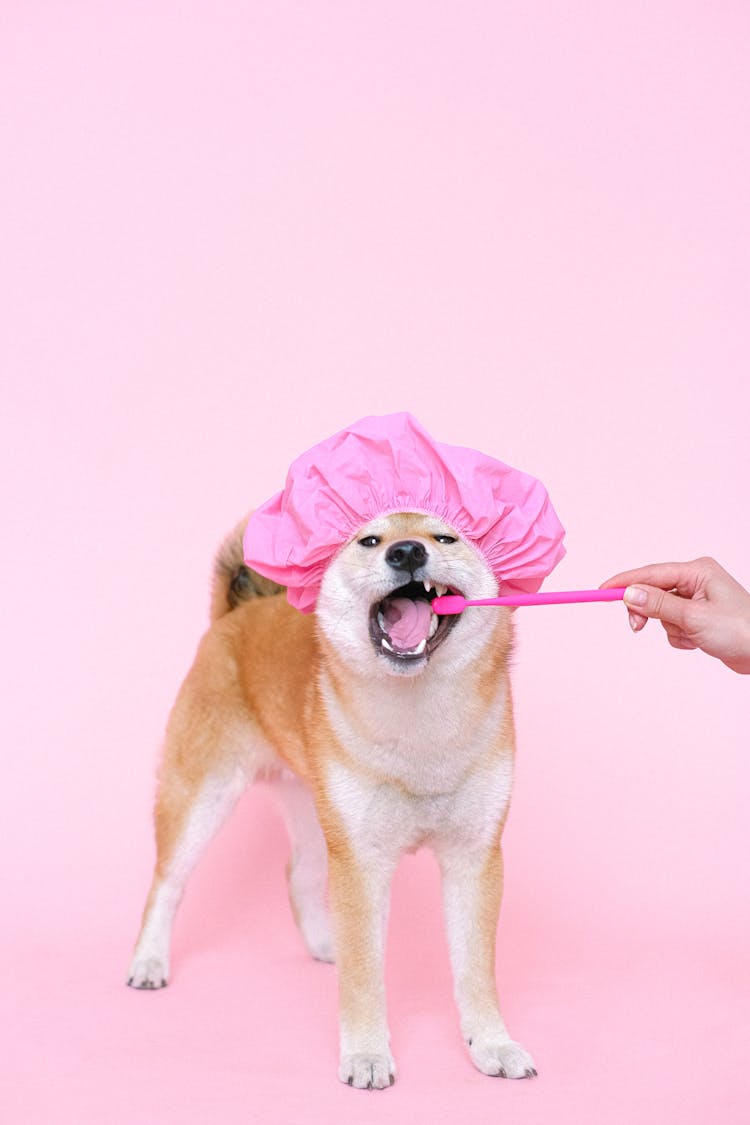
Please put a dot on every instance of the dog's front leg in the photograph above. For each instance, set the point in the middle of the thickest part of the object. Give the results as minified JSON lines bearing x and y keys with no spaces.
{"x":472,"y":890}
{"x":359,"y":887}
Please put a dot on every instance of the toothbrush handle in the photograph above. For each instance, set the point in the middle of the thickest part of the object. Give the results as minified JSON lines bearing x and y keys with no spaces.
{"x":454,"y":603}
{"x":558,"y":597}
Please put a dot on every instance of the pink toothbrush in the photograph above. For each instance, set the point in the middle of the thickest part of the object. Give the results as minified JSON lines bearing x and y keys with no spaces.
{"x":454,"y":603}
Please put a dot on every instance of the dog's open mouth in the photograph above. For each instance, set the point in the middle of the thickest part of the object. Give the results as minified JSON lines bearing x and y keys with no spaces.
{"x":403,"y":626}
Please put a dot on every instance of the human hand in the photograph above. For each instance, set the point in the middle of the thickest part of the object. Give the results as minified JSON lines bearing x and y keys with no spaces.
{"x":699,"y":604}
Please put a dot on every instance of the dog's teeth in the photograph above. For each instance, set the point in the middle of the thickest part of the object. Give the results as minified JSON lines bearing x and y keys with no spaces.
{"x":405,"y":652}
{"x":434,"y":624}
{"x":440,"y":589}
{"x":427,"y":585}
{"x":381,"y":622}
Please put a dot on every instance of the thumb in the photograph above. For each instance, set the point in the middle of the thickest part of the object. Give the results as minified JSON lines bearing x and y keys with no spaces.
{"x":650,"y":601}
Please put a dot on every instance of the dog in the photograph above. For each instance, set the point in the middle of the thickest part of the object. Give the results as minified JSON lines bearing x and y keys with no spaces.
{"x":382,"y":728}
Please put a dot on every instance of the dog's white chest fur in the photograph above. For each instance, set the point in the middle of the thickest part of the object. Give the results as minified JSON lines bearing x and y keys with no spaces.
{"x":384,"y":817}
{"x":417,"y":774}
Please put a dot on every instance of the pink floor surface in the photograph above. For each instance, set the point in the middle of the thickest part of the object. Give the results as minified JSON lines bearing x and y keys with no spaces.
{"x":645,"y":1024}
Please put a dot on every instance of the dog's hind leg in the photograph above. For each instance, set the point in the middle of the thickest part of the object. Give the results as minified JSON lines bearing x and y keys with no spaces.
{"x":307,"y":870}
{"x":207,"y":762}
{"x":200,"y":814}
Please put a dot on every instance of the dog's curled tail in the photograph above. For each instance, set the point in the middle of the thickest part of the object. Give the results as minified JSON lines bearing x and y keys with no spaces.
{"x":233,"y":581}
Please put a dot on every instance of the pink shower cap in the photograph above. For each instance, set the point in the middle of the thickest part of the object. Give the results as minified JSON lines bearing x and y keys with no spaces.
{"x":390,"y":464}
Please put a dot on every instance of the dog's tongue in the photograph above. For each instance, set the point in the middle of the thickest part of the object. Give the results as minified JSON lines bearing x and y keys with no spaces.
{"x":408,"y":622}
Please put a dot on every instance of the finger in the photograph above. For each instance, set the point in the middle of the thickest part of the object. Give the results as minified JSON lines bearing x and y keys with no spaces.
{"x":667,"y":576}
{"x":677,"y":639}
{"x":649,"y":601}
{"x":637,"y":621}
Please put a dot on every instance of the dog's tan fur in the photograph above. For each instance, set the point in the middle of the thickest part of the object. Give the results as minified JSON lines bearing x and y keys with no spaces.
{"x":306,"y":702}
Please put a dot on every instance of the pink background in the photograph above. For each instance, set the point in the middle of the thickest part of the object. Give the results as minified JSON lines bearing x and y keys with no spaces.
{"x":228,"y":230}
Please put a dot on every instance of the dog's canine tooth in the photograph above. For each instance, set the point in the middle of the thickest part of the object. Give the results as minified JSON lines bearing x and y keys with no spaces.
{"x":440,"y":589}
{"x":434,"y":624}
{"x":384,"y":643}
{"x":381,"y":622}
{"x":427,"y":585}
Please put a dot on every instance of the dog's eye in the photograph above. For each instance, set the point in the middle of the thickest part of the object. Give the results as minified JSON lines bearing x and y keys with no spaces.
{"x":444,"y":538}
{"x":369,"y":541}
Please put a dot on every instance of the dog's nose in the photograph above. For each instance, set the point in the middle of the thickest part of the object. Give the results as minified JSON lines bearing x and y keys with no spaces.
{"x":406,"y":555}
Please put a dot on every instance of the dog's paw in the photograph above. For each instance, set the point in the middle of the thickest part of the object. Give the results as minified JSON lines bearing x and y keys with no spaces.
{"x":368,"y":1072}
{"x":322,"y":949}
{"x":317,"y":936}
{"x":314,"y":923}
{"x":148,"y":973}
{"x":501,"y":1059}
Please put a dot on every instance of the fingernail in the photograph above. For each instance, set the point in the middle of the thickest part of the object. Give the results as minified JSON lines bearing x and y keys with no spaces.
{"x":633,"y":622}
{"x":635,"y":596}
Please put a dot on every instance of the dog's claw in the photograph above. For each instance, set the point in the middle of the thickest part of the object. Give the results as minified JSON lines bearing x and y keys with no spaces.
{"x":368,"y":1072}
{"x":505,"y":1059}
{"x":147,"y":974}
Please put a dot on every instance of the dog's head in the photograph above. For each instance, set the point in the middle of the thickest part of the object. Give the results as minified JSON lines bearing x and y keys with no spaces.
{"x":374,"y":603}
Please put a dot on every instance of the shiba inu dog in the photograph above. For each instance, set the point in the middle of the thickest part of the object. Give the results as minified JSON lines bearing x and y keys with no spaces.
{"x":383,"y":728}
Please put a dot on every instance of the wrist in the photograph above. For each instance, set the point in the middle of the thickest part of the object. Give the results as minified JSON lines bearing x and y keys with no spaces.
{"x":738,"y":658}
